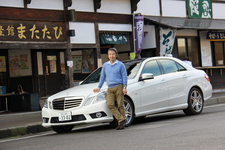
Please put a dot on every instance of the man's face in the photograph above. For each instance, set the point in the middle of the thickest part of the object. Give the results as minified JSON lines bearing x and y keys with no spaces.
{"x":112,"y":55}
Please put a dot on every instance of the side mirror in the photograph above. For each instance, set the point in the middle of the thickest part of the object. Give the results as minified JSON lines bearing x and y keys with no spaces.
{"x":146,"y":76}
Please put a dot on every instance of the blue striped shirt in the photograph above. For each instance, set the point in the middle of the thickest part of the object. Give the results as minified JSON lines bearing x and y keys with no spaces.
{"x":114,"y":74}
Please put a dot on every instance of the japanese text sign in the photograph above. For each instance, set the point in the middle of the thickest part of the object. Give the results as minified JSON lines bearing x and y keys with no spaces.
{"x":199,"y":8}
{"x":32,"y":31}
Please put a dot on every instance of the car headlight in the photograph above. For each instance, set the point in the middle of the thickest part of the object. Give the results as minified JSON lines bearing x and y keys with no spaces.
{"x":100,"y":97}
{"x":46,"y":103}
{"x":50,"y":105}
{"x":88,"y":101}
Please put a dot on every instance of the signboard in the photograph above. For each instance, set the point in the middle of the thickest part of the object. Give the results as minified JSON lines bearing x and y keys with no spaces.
{"x":139,"y":33}
{"x":2,"y":64}
{"x":77,"y":61}
{"x":215,"y":36}
{"x":32,"y":31}
{"x":167,"y":38}
{"x":199,"y":8}
{"x":132,"y":55}
{"x":113,"y":39}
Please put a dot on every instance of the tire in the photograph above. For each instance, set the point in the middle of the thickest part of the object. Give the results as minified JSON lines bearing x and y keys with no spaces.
{"x":195,"y":102}
{"x":62,"y":129}
{"x":129,"y":113}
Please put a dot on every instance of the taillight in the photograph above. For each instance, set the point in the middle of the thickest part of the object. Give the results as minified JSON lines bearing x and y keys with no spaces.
{"x":206,"y":76}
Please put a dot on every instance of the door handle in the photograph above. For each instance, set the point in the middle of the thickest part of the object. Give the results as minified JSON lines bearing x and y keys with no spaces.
{"x":184,"y":76}
{"x":163,"y":81}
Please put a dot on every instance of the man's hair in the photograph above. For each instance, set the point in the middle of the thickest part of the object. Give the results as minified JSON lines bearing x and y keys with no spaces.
{"x":113,"y":49}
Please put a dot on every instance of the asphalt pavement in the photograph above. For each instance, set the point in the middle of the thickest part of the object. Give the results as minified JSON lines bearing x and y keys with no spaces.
{"x":22,"y":123}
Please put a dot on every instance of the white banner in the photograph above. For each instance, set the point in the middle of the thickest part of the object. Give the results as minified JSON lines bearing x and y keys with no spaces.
{"x":167,"y":38}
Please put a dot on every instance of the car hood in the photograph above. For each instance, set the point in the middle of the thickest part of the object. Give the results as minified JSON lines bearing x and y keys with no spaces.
{"x":78,"y":91}
{"x":85,"y":90}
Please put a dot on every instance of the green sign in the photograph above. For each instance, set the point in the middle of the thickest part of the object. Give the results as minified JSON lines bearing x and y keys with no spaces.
{"x":199,"y":8}
{"x":113,"y":39}
{"x":132,"y":55}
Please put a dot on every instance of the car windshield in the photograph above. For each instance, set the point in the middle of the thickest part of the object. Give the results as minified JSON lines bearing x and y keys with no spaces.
{"x":132,"y":68}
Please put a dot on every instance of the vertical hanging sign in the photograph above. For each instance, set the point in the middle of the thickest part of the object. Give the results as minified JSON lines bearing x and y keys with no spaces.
{"x":139,"y":33}
{"x":167,"y":41}
{"x":199,"y":8}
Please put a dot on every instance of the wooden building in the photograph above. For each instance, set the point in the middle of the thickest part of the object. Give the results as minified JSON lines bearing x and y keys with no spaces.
{"x":39,"y":39}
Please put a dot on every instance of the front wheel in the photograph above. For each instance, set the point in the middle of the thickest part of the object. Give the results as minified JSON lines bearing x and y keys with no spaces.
{"x":195,"y":102}
{"x":62,"y":129}
{"x":129,"y":113}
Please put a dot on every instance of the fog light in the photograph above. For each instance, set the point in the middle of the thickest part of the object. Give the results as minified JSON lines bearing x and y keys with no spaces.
{"x":45,"y":120}
{"x":98,"y":115}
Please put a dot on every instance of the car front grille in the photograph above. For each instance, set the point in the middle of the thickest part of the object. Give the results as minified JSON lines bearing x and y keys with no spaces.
{"x":63,"y":104}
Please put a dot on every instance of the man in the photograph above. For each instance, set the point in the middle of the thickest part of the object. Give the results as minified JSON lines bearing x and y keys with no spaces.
{"x":114,"y":72}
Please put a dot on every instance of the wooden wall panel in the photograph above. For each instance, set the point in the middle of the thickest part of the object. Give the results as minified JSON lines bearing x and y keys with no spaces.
{"x":103,"y":18}
{"x":31,"y":14}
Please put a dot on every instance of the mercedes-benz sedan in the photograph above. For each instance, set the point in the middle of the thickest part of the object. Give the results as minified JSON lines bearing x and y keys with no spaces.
{"x":155,"y":85}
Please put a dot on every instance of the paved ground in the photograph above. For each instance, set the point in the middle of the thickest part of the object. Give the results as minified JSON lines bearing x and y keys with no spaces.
{"x":14,"y":123}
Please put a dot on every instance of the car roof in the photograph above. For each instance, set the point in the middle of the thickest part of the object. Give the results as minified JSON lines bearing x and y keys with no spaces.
{"x":142,"y":59}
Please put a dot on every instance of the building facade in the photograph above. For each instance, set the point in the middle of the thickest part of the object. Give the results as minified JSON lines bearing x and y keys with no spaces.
{"x":47,"y":45}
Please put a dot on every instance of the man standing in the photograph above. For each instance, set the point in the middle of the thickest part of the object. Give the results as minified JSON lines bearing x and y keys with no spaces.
{"x":114,"y":72}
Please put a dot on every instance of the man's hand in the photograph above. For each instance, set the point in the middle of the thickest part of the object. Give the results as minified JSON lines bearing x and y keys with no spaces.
{"x":96,"y":90}
{"x":124,"y":91}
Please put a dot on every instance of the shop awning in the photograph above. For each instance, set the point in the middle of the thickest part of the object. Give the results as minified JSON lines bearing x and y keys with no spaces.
{"x":187,"y":23}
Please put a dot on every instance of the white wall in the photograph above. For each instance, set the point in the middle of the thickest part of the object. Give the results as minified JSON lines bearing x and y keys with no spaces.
{"x":149,"y":40}
{"x":186,"y":33}
{"x":115,"y":27}
{"x":115,"y":6}
{"x":84,"y":33}
{"x":218,"y":10}
{"x":205,"y":50}
{"x":148,"y":7}
{"x":173,"y":8}
{"x":46,"y":4}
{"x":83,"y":5}
{"x":12,"y":3}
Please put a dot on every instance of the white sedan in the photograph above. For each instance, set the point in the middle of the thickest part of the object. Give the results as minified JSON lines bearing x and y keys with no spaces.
{"x":155,"y":85}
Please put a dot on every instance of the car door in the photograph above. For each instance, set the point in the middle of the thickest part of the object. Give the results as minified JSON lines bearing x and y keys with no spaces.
{"x":153,"y":92}
{"x":176,"y":77}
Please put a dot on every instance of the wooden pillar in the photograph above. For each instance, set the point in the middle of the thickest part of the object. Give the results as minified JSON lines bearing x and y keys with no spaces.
{"x":68,"y":55}
{"x":97,"y":37}
{"x":25,"y":2}
{"x":160,"y":7}
{"x":157,"y":35}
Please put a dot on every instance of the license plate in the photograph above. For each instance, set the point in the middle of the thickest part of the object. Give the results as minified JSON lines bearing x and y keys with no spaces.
{"x":65,"y":116}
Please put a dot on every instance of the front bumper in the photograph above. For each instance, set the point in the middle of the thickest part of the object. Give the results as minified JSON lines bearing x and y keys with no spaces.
{"x":93,"y":113}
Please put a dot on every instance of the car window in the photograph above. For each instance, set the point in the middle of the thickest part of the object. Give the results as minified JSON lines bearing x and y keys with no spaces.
{"x":152,"y":67}
{"x":169,"y":66}
{"x":180,"y":68}
{"x":94,"y":77}
{"x":132,"y":68}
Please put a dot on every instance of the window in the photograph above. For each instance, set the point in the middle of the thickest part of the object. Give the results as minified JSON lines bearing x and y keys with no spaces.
{"x":169,"y":66}
{"x":180,"y":68}
{"x":188,"y":47}
{"x":132,"y":68}
{"x":152,"y":67}
{"x":219,"y":53}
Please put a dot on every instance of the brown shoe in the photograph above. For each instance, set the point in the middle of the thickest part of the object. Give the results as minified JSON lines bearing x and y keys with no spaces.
{"x":121,"y":125}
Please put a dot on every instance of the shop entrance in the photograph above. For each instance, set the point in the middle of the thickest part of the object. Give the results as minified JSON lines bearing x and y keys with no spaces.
{"x":49,"y":72}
